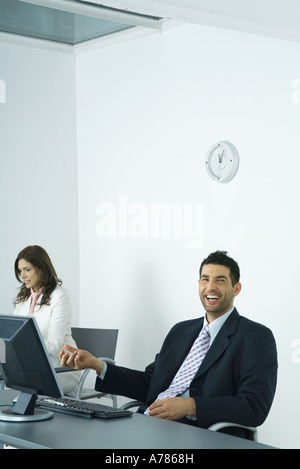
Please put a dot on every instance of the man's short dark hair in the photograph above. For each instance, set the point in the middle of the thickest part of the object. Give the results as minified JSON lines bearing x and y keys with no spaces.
{"x":221,"y":258}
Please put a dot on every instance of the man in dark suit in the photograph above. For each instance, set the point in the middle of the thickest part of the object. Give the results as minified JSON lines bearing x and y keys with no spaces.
{"x":236,"y":380}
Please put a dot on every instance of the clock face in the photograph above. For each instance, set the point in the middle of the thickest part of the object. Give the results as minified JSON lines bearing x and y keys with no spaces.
{"x":222,"y":161}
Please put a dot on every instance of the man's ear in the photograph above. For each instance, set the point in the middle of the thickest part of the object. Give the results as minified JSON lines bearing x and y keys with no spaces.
{"x":237,"y":288}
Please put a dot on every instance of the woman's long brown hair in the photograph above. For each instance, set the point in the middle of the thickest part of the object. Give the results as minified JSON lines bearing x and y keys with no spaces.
{"x":38,"y":257}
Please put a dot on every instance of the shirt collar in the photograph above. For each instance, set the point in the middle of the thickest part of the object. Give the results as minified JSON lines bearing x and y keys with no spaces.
{"x":216,"y":325}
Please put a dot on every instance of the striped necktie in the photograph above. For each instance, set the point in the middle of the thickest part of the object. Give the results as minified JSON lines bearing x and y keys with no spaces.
{"x":189,"y":367}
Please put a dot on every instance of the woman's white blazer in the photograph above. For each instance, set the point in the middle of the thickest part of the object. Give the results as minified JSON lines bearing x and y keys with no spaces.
{"x":54,"y":322}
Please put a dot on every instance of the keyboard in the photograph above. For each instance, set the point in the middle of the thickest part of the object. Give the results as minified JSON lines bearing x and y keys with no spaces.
{"x":81,"y":408}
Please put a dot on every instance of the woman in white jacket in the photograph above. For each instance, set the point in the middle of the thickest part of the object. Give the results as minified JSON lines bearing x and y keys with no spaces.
{"x":42,"y":295}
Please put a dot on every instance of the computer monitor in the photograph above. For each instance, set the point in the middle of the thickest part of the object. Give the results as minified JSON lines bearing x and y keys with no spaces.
{"x":25,"y":366}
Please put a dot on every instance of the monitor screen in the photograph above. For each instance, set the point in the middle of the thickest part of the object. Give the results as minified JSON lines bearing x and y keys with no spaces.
{"x":25,"y":366}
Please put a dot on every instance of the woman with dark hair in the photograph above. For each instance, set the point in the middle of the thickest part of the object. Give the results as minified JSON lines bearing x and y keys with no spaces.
{"x":42,"y":295}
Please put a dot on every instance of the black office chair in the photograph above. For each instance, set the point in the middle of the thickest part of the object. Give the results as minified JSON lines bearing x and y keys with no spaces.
{"x":102,"y":344}
{"x":252,"y":431}
{"x":215,"y":427}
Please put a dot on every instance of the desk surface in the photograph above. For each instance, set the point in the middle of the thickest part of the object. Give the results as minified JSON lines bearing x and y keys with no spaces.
{"x":138,"y":431}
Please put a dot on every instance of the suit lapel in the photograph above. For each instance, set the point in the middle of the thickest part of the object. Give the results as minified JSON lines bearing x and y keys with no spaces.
{"x":220,"y":343}
{"x":188,"y":338}
{"x":182,"y":346}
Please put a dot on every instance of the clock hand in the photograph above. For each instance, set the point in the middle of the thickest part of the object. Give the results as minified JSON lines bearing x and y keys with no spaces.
{"x":220,"y":157}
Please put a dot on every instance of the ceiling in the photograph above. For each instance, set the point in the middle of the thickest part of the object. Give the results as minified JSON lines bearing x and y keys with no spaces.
{"x":75,"y":22}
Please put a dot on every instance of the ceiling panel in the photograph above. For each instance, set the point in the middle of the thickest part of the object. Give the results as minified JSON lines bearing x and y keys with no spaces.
{"x":80,"y":23}
{"x":274,"y":18}
{"x":77,"y":21}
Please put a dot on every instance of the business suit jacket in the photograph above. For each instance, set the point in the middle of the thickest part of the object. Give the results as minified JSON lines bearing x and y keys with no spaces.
{"x":236,"y":381}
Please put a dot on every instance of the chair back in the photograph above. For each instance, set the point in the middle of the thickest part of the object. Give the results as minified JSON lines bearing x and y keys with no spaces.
{"x":99,"y":342}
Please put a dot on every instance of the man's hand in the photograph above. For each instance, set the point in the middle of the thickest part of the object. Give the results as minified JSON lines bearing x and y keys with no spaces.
{"x":173,"y":408}
{"x":79,"y":359}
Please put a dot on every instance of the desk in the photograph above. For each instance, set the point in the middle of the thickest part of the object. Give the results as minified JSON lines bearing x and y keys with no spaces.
{"x":135,"y":432}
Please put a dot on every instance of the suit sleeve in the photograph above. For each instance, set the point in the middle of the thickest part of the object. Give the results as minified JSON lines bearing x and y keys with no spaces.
{"x":126,"y":382}
{"x":243,"y":392}
{"x":59,"y":323}
{"x":145,"y":385}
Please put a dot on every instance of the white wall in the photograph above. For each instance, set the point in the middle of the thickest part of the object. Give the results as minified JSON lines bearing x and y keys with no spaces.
{"x":38,"y":161}
{"x":148,"y":111}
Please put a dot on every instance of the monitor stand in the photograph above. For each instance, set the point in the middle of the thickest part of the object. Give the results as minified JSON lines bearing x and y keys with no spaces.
{"x":24,"y":410}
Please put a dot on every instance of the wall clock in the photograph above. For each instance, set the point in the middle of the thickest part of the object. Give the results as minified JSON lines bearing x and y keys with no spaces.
{"x":222,"y":161}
